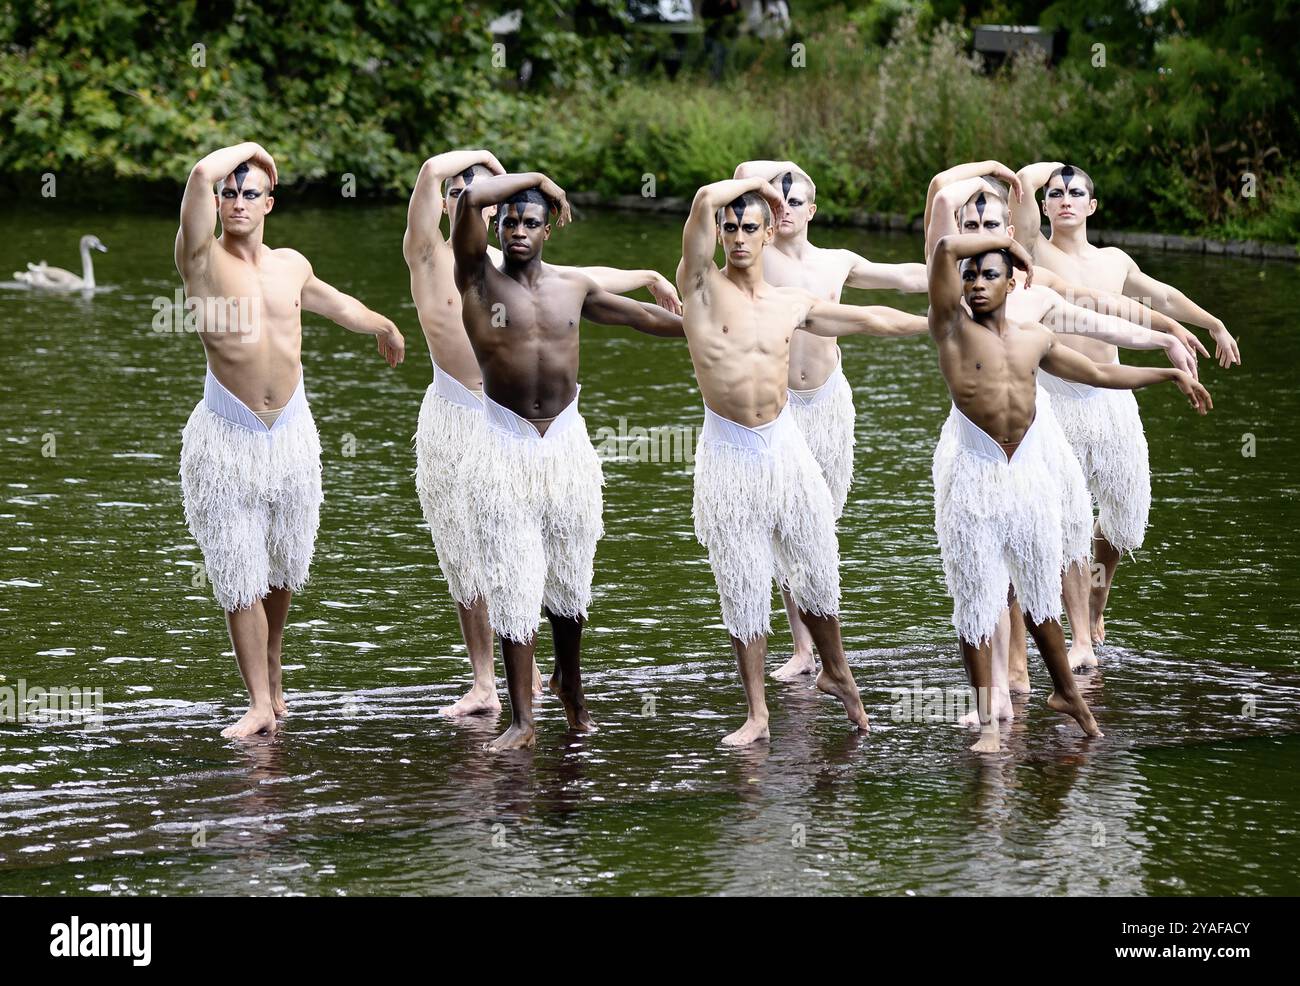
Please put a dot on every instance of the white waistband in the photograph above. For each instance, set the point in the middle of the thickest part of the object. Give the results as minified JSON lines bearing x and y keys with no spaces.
{"x":223,"y":403}
{"x":728,"y":432}
{"x":807,"y":398}
{"x":450,"y":389}
{"x":971,"y":436}
{"x":1066,"y":388}
{"x":504,"y":419}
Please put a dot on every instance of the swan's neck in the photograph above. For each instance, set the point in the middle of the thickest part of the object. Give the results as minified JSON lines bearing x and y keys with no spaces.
{"x":87,"y":268}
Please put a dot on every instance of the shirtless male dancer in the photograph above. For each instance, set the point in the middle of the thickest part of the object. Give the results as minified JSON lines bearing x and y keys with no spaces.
{"x":250,"y":454}
{"x":969,"y":199}
{"x":451,"y":419}
{"x":762,"y":507}
{"x":821,"y":399}
{"x":1103,"y":427}
{"x":998,"y":503}
{"x":535,"y":487}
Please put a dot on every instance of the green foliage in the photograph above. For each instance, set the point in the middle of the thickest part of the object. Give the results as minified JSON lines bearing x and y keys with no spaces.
{"x":142,"y":89}
{"x":1192,"y":99}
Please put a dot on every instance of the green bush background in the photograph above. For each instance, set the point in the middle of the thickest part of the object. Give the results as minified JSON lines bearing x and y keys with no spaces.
{"x":1191,"y":98}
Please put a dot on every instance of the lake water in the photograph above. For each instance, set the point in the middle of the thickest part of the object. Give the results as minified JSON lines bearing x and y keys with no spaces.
{"x":368,"y":791}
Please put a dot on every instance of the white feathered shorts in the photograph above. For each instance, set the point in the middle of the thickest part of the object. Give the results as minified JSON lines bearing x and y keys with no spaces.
{"x":536,"y":500}
{"x":1076,"y":505}
{"x":999,"y":524}
{"x":1105,"y":430}
{"x":252,"y":494}
{"x":826,"y":417}
{"x":762,"y":509}
{"x":450,"y":434}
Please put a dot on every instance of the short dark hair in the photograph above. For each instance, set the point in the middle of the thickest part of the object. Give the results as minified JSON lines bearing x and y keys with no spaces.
{"x":738,"y":206}
{"x":529,"y":196}
{"x":978,"y":260}
{"x":1068,"y":172}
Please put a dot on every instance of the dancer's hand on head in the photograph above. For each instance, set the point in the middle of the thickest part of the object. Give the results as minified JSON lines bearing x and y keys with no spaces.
{"x":563,"y":214}
{"x":1196,"y":393}
{"x":774,"y":201}
{"x":392,"y":347}
{"x":1010,"y":177}
{"x":1020,"y":257}
{"x":262,"y":158}
{"x":665,"y":295}
{"x":1225,"y":347}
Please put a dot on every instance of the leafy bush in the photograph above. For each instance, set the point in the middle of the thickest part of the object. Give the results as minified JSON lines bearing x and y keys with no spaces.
{"x":1170,"y":127}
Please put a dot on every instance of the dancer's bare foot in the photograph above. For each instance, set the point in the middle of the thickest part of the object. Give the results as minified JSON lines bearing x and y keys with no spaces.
{"x":1002,"y":710}
{"x":847,"y":692}
{"x":258,"y":719}
{"x":1018,"y":681}
{"x":278,"y":705}
{"x":799,"y":664}
{"x":517,"y":737}
{"x":1081,"y":656}
{"x":555,"y":681}
{"x":989,"y":742}
{"x":1077,"y":709}
{"x":753,"y":731}
{"x":537,"y":681}
{"x":575,"y":710}
{"x":476,"y":702}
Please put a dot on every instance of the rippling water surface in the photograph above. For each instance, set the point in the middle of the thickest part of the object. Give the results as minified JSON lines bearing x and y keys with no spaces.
{"x":368,"y":790}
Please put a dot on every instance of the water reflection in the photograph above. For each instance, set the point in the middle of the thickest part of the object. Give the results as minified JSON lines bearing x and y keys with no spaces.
{"x":368,"y":790}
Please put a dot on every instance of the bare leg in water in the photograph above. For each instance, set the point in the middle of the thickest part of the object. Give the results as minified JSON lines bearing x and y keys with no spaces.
{"x":801,"y":661}
{"x":248,"y":635}
{"x":750,"y":658}
{"x":276,"y":605}
{"x":1076,"y":591}
{"x":1065,"y":697}
{"x":836,"y":677}
{"x":567,"y":680}
{"x":482,"y":697}
{"x":1001,"y":708}
{"x":477,"y":631}
{"x":518,"y":659}
{"x":1017,"y":650}
{"x":979,"y":670}
{"x":1107,"y":556}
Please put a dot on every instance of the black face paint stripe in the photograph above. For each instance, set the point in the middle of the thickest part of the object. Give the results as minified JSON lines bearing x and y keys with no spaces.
{"x":738,"y":207}
{"x":1067,"y":175}
{"x":240,"y":174}
{"x":468,"y":175}
{"x":980,"y":203}
{"x":787,"y":180}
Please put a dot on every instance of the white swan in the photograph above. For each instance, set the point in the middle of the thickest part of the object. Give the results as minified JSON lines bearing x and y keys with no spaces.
{"x":44,"y":276}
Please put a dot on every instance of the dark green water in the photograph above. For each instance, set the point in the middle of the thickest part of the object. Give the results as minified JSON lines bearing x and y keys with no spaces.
{"x":368,"y":790}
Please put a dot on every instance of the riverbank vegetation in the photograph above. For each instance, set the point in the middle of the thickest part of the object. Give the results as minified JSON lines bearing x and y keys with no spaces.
{"x":1185,"y":117}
